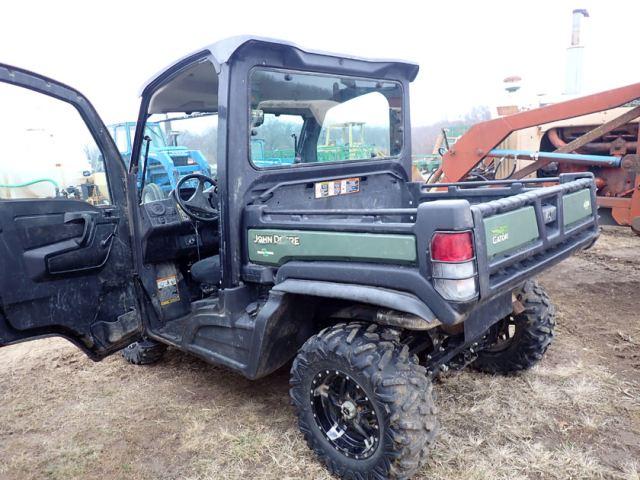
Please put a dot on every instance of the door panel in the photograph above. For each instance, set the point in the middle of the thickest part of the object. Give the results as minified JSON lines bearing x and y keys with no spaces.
{"x":65,"y":246}
{"x":60,"y":276}
{"x":61,"y":238}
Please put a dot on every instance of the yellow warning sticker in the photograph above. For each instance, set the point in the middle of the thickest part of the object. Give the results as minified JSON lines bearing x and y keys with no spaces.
{"x":168,"y":290}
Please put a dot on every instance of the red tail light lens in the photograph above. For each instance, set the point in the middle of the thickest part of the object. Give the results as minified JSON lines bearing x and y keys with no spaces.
{"x":452,"y":247}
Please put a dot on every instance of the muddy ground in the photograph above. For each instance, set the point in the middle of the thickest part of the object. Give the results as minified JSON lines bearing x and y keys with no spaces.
{"x":575,"y":416}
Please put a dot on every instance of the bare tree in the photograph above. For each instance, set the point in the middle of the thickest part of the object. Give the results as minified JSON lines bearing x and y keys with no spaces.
{"x":423,"y":138}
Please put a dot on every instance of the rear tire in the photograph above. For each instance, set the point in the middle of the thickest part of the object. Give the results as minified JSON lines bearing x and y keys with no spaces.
{"x":384,"y":419}
{"x":520,"y":340}
{"x":144,"y":352}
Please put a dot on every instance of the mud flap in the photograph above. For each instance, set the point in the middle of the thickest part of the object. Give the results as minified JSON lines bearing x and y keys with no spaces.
{"x":108,"y":333}
{"x":483,"y":317}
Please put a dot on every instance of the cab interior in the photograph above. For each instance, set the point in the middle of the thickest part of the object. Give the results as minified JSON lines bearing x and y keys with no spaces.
{"x":176,"y":247}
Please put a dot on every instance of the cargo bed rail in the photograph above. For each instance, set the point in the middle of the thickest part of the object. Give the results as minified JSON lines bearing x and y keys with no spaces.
{"x":563,"y":218}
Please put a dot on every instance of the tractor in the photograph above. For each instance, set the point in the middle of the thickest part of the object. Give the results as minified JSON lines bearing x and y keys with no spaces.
{"x":167,"y":161}
{"x":596,"y":133}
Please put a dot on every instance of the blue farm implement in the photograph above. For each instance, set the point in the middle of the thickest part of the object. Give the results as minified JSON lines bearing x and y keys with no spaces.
{"x":166,"y":163}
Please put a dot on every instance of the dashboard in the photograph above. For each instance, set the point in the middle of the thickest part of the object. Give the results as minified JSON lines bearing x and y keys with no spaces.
{"x":169,"y":234}
{"x":165,"y":212}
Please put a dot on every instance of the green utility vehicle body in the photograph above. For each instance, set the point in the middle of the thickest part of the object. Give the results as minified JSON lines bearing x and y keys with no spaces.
{"x":505,"y":234}
{"x":346,"y":230}
{"x":276,"y":247}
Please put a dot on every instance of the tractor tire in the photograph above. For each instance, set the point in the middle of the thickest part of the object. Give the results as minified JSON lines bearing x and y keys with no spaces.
{"x":363,"y":405}
{"x":144,"y":352}
{"x":520,"y":340}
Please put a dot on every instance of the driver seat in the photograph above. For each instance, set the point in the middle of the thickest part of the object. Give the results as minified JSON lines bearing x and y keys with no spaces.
{"x":207,"y":271}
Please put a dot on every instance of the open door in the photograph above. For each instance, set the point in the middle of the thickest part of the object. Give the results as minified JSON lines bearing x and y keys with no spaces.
{"x":66,"y":265}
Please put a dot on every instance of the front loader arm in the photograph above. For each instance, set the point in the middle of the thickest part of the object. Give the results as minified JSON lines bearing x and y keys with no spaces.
{"x":480,"y":139}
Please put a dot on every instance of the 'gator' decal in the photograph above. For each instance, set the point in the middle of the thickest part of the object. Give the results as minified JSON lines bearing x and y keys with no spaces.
{"x":509,"y":231}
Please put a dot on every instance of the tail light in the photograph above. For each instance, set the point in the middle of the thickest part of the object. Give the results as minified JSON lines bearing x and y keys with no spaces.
{"x":453,"y":263}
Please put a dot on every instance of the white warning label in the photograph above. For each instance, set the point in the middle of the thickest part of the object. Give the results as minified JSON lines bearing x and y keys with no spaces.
{"x":332,"y":188}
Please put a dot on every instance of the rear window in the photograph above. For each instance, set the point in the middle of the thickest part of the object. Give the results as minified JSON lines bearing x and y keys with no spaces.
{"x":302,"y":118}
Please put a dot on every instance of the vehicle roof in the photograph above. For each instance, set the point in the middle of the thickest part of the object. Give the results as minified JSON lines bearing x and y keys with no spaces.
{"x":223,"y":50}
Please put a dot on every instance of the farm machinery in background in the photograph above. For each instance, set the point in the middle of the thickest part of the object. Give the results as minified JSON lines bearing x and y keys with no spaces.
{"x":597,"y":133}
{"x":427,"y":164}
{"x":56,"y":168}
{"x":345,"y":141}
{"x":340,"y":141}
{"x":63,"y":175}
{"x":167,"y":161}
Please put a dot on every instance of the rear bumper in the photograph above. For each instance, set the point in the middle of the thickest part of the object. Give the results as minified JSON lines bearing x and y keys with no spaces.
{"x":558,"y":237}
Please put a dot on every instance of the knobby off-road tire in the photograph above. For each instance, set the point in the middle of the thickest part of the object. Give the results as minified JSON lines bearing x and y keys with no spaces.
{"x":144,"y":352}
{"x":379,"y":370}
{"x":532,"y":335}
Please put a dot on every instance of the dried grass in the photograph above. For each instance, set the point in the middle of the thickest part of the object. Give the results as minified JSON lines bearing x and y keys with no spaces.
{"x":575,"y":416}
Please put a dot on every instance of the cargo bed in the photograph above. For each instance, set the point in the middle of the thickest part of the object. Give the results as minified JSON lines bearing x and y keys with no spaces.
{"x":519,"y":229}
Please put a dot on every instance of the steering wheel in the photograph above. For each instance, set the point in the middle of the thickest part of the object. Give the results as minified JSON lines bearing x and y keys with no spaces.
{"x":198,"y":205}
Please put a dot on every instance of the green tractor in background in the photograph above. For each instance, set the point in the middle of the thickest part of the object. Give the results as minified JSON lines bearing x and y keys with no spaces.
{"x":341,"y":141}
{"x":428,"y":163}
{"x":346,"y":141}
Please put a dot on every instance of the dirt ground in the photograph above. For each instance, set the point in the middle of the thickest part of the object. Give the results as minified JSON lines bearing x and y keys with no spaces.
{"x":575,"y":416}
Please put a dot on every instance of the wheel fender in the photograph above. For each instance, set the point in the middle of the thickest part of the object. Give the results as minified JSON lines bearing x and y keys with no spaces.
{"x":382,"y":297}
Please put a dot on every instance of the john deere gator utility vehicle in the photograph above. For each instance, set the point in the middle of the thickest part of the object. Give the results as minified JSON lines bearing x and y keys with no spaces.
{"x":370,"y":282}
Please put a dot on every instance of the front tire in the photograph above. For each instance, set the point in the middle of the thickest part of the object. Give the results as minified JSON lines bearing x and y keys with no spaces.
{"x":364,"y":407}
{"x":144,"y":352}
{"x":520,"y":340}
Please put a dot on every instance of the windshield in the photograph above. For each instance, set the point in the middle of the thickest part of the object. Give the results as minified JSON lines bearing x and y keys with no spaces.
{"x":124,"y":141}
{"x":180,"y":145}
{"x":301,"y":118}
{"x":153,"y":131}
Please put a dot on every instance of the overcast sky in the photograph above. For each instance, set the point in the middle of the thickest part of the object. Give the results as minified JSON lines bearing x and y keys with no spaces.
{"x":465,"y":49}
